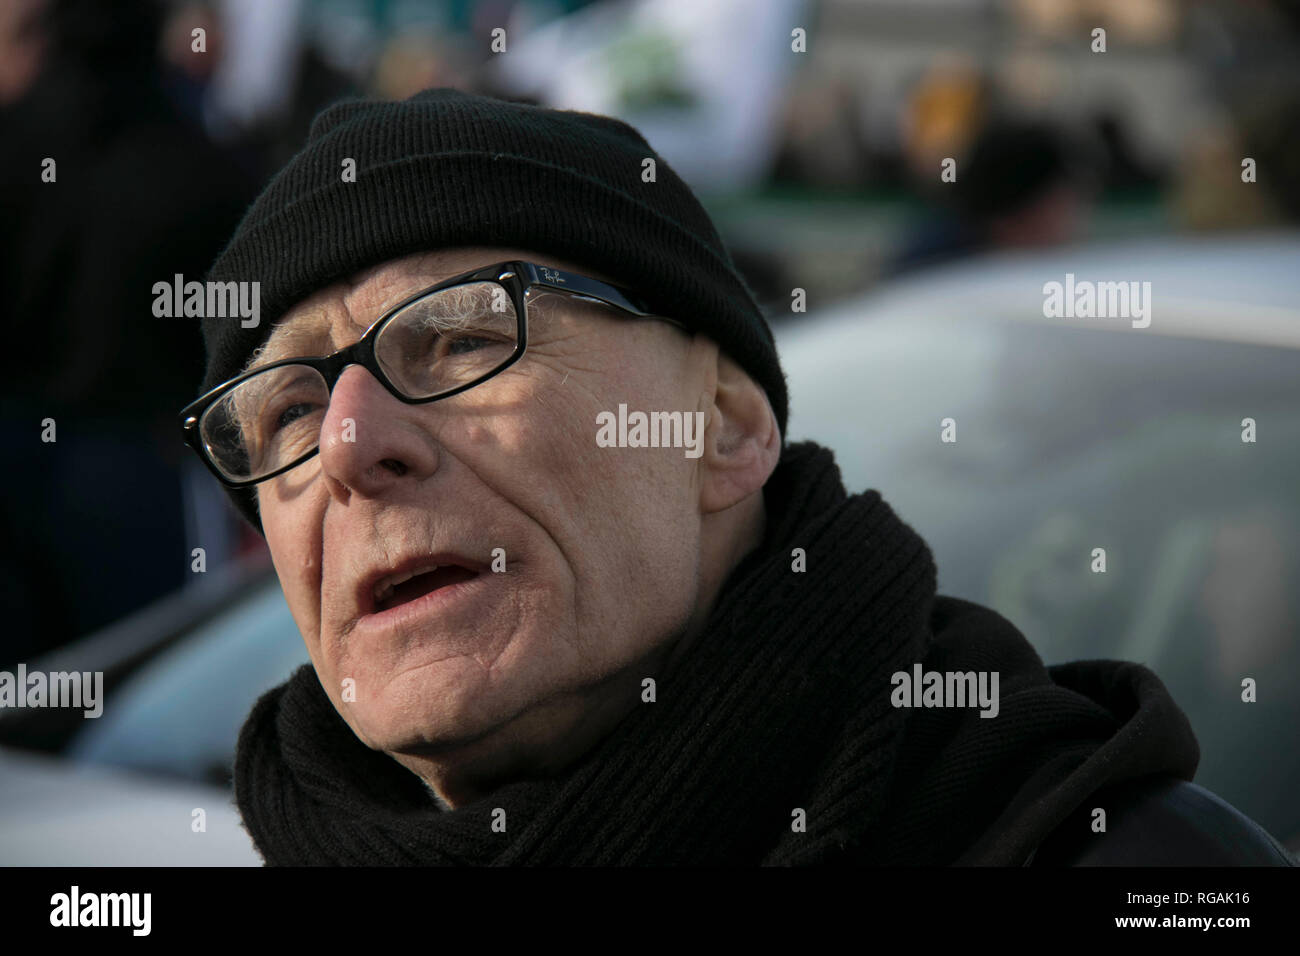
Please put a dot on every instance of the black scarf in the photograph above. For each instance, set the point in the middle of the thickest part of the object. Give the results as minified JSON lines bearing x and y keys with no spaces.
{"x":782,"y":705}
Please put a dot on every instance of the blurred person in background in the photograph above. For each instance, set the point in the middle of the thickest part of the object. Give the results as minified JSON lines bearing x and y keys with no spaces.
{"x":93,"y":523}
{"x":1247,"y":55}
{"x":1023,"y":185}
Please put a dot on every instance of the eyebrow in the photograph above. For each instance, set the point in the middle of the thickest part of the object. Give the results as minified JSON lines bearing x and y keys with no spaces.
{"x":294,"y":340}
{"x":298,"y":337}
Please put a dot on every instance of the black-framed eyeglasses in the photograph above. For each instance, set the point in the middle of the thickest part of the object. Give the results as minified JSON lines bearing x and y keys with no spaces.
{"x":436,"y":344}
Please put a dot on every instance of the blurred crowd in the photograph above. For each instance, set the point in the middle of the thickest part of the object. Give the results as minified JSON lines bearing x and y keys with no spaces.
{"x":163,"y":120}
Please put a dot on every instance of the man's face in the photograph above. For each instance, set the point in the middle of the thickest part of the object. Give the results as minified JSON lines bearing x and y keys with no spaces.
{"x":467,"y":669}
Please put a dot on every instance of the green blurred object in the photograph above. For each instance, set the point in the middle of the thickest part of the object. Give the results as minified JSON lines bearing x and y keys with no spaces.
{"x":645,"y":67}
{"x":453,"y":15}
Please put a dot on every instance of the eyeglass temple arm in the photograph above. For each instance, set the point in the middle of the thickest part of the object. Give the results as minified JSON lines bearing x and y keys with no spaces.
{"x":576,"y":284}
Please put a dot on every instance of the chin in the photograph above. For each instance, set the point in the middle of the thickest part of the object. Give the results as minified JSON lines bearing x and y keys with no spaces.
{"x":429,"y":709}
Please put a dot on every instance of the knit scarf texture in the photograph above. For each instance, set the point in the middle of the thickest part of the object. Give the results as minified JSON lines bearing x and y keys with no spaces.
{"x":773,"y":739}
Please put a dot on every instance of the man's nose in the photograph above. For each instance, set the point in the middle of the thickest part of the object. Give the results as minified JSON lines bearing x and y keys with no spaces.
{"x":370,"y":441}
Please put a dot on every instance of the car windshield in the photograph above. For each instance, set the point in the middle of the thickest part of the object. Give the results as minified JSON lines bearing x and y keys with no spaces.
{"x":180,"y":714}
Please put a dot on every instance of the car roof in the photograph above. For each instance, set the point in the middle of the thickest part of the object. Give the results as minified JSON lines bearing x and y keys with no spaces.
{"x":1241,"y":288}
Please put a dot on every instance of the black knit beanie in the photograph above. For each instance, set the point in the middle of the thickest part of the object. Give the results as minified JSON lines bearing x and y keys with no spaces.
{"x":446,"y":168}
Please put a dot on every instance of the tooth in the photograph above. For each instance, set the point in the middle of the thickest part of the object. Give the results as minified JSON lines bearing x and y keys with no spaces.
{"x":384,"y":589}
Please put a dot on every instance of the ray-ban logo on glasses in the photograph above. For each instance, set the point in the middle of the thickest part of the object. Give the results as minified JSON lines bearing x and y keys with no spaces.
{"x":550,"y":276}
{"x":206,"y":300}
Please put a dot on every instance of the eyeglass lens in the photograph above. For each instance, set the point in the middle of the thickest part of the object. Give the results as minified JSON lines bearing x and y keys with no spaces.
{"x":438,"y":343}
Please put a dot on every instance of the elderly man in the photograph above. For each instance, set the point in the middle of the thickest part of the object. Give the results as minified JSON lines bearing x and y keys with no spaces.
{"x":540,"y":637}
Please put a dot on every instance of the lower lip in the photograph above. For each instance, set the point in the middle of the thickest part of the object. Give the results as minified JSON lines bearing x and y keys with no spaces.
{"x":439,"y":603}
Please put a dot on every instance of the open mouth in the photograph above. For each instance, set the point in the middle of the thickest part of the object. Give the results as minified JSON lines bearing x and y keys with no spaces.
{"x":401,"y":588}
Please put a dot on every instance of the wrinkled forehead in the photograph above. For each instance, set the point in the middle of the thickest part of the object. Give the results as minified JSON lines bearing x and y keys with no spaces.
{"x":338,"y":315}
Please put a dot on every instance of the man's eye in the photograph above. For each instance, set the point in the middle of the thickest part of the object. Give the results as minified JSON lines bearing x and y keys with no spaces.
{"x":292,"y":414}
{"x":468,"y":343}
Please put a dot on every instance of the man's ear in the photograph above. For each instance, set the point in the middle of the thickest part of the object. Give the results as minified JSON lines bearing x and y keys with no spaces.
{"x":742,"y":442}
